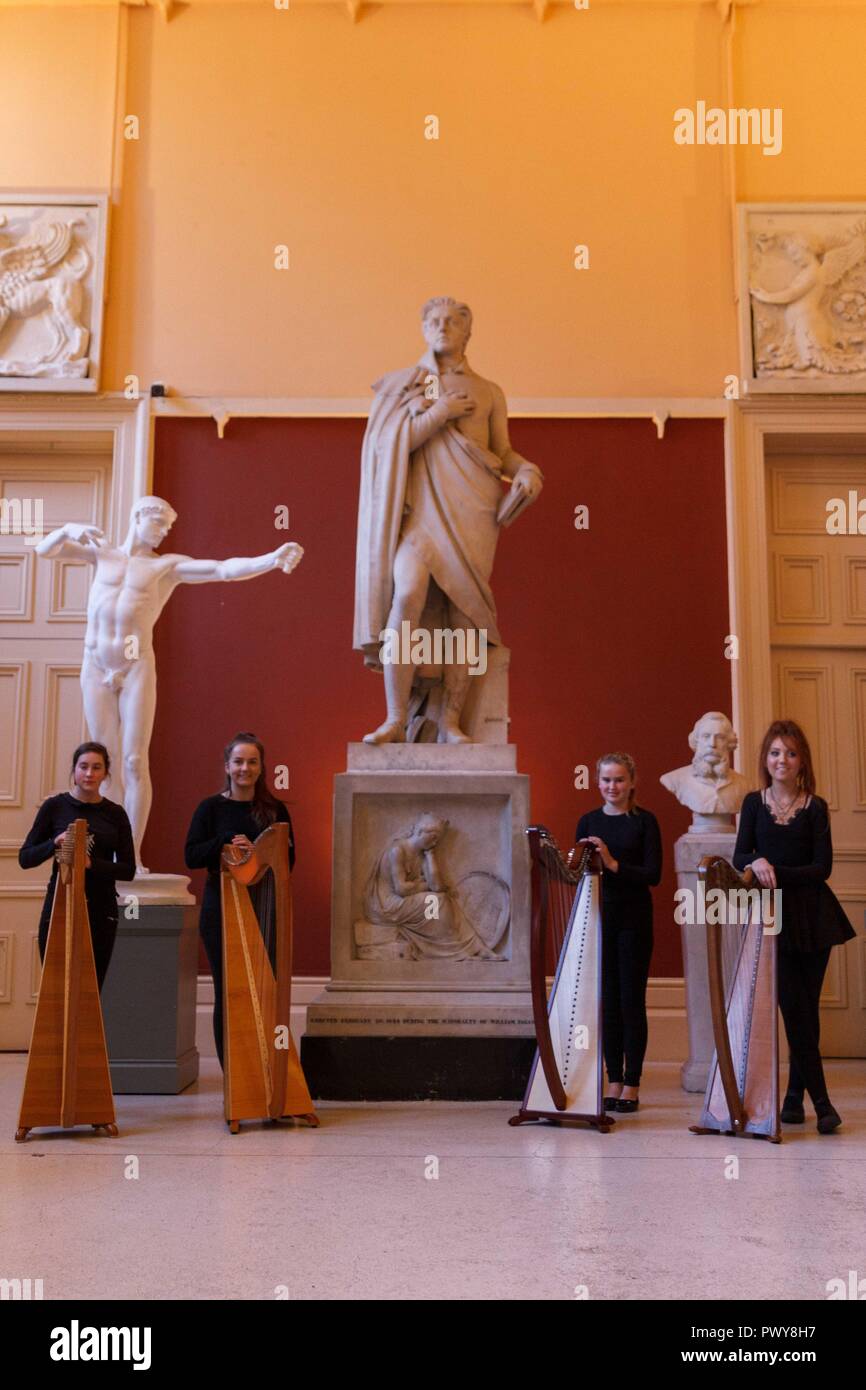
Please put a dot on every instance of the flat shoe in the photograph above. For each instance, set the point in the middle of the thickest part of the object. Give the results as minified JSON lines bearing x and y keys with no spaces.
{"x":828,"y":1120}
{"x":611,"y":1102}
{"x":627,"y":1107}
{"x":792,"y":1111}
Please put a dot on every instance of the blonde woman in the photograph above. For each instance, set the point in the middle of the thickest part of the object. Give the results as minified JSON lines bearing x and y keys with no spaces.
{"x":628,"y":840}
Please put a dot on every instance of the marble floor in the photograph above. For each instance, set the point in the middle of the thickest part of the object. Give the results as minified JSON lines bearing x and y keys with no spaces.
{"x":431,"y":1201}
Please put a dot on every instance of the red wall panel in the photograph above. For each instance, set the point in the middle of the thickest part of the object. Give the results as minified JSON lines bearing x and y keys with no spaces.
{"x":617,"y":632}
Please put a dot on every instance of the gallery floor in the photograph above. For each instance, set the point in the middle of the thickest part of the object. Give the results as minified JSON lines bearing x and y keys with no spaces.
{"x":355,"y":1209}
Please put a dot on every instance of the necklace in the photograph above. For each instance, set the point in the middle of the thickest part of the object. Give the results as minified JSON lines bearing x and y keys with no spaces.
{"x":785,"y":811}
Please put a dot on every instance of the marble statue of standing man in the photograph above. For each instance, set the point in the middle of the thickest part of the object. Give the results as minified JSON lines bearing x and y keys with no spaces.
{"x":131,"y":586}
{"x":436,"y":454}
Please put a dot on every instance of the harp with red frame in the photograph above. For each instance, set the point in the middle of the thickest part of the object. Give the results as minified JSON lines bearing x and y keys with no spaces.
{"x":263,"y":1076}
{"x":68,"y":1081}
{"x":742,"y":1095}
{"x":565,"y":1084}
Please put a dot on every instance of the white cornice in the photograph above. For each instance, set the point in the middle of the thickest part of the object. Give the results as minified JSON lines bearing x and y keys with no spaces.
{"x":658,"y":409}
{"x":358,"y":9}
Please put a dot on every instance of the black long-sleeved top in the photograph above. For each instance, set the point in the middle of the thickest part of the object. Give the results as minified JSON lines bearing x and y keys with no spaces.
{"x":801,"y":853}
{"x":635,"y":842}
{"x":112,"y":857}
{"x":215,"y":822}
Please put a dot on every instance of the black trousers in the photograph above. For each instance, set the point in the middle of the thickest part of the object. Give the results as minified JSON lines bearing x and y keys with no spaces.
{"x":210,"y":925}
{"x":627,"y":947}
{"x":103,"y":930}
{"x":801,"y":975}
{"x":212,"y":936}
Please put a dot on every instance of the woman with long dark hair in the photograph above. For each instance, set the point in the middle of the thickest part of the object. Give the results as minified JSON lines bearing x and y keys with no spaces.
{"x":629,"y":841}
{"x":237,"y":815}
{"x":110,"y":853}
{"x":784,"y":837}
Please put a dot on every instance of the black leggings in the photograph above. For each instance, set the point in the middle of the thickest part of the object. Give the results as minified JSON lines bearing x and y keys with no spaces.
{"x":626,"y":955}
{"x":801,"y":975}
{"x":103,"y":930}
{"x":212,"y":936}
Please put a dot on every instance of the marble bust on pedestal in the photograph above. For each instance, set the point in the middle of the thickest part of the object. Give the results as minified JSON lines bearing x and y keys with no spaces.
{"x":708,"y":785}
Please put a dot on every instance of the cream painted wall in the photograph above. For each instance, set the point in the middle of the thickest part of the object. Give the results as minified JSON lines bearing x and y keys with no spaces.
{"x":262,"y":126}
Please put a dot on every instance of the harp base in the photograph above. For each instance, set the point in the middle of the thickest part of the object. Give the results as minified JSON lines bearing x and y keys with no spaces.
{"x":736,"y":1133}
{"x":23,"y":1130}
{"x":310,"y":1116}
{"x":602,"y":1123}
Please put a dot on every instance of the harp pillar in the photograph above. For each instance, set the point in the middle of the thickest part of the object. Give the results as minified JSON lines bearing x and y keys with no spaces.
{"x":429,"y":995}
{"x":689,"y":850}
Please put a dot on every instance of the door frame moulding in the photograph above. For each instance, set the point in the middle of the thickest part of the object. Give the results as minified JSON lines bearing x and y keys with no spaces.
{"x":752,"y":425}
{"x":125,"y":423}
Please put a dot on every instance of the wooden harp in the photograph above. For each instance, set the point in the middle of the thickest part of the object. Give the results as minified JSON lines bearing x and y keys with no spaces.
{"x":68,"y":1081}
{"x":263,"y":1076}
{"x":742,"y":1095}
{"x":565,"y":1083}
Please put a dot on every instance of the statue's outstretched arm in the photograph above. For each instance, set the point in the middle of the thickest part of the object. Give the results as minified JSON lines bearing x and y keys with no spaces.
{"x":286,"y":558}
{"x":72,"y":541}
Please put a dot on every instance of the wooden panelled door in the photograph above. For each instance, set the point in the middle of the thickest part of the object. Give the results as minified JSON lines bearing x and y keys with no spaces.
{"x":818,"y":646}
{"x":42,"y":618}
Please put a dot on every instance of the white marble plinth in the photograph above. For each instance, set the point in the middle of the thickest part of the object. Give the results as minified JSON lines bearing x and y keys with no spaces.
{"x":422,"y":1013}
{"x":465,"y":758}
{"x":486,"y":803}
{"x":157,"y":890}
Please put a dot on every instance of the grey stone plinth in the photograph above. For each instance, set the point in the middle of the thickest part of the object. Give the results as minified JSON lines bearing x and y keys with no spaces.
{"x":688,"y":853}
{"x":149,"y":998}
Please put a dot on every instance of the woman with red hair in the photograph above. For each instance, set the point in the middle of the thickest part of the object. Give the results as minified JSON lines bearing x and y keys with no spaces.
{"x":784,"y":837}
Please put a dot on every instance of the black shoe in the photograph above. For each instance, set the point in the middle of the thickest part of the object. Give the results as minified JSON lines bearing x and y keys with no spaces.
{"x":627,"y":1107}
{"x":792,"y":1110}
{"x":828,"y":1118}
{"x":611,"y":1102}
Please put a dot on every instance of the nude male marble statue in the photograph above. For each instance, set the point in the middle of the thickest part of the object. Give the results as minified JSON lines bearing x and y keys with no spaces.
{"x":131,"y":586}
{"x":435,"y":456}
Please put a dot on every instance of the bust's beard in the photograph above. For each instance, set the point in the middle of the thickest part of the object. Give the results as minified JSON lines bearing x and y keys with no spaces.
{"x":710,"y":772}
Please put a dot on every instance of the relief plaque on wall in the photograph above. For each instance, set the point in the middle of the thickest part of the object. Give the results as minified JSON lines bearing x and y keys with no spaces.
{"x":803,"y":297}
{"x":52,"y":290}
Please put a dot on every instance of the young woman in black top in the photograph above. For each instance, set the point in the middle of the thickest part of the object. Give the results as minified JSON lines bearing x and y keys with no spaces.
{"x":235,"y":816}
{"x":111,"y":854}
{"x":784,"y":835}
{"x":628,"y":839}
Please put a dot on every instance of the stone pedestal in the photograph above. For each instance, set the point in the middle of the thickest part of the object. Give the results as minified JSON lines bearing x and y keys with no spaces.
{"x":396,"y":1024}
{"x":688,"y":853}
{"x":149,"y":996}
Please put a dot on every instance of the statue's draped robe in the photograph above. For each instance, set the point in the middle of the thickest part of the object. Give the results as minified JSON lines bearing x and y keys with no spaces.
{"x":449,"y":936}
{"x":441,"y":497}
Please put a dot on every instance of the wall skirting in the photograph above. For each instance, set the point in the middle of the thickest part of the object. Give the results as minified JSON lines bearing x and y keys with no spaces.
{"x":666,"y":1007}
